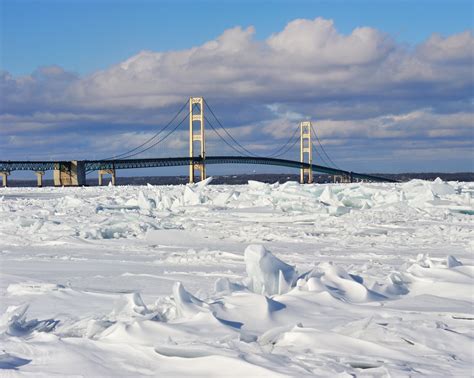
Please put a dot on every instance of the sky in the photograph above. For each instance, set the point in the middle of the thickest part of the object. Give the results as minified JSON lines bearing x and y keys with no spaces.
{"x":388,"y":85}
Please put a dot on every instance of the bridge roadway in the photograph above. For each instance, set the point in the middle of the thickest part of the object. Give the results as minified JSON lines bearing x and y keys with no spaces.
{"x":93,"y":165}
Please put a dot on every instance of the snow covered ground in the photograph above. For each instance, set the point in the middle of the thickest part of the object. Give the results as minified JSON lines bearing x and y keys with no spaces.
{"x":252,"y":280}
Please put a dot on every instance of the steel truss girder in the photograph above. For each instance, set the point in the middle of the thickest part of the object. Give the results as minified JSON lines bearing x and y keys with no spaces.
{"x":94,"y":165}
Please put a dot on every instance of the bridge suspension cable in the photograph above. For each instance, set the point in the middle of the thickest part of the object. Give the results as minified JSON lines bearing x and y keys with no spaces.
{"x":331,"y":162}
{"x":294,"y":136}
{"x":320,"y":157}
{"x":122,"y":155}
{"x":250,"y":153}
{"x":128,"y":154}
{"x":160,"y":140}
{"x":239,"y":148}
{"x":246,"y":152}
{"x":222,"y":138}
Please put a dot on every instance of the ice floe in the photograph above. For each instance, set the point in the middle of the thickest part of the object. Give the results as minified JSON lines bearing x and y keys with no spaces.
{"x":250,"y":280}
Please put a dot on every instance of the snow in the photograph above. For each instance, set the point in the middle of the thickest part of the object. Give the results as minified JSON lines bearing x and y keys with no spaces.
{"x":267,"y":274}
{"x":251,"y":280}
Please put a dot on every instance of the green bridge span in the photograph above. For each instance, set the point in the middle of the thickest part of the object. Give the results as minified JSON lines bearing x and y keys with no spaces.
{"x":95,"y":165}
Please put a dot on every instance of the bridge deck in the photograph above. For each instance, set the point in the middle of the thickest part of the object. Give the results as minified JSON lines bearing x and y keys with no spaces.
{"x":92,"y":165}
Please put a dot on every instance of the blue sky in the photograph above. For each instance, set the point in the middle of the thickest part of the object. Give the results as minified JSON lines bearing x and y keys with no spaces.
{"x":390,"y":83}
{"x":85,"y":35}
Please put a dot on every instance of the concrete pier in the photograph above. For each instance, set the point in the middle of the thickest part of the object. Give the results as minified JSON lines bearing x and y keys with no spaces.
{"x":4,"y":175}
{"x":343,"y":179}
{"x":39,"y":178}
{"x":103,"y":172}
{"x":70,"y":174}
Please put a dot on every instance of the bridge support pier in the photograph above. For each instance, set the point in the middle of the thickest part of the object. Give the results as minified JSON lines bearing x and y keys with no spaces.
{"x":306,"y":155}
{"x":4,"y":175}
{"x":71,"y":173}
{"x":103,"y":172}
{"x":197,"y":102}
{"x":39,"y":178}
{"x":343,"y":179}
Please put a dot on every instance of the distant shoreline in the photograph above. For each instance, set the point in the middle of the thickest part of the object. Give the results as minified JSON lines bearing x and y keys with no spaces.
{"x":244,"y":178}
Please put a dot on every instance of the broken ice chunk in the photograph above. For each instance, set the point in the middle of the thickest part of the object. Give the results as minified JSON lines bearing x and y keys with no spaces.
{"x":267,"y":273}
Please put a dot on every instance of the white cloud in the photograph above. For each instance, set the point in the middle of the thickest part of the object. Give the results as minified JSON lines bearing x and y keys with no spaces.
{"x":455,"y":48}
{"x":357,"y":85}
{"x":317,"y":43}
{"x":307,"y":60}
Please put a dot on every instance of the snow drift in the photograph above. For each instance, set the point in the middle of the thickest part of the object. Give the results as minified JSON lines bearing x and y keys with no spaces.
{"x":250,"y":280}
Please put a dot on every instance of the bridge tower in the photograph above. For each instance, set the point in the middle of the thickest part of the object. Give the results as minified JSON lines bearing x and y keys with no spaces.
{"x":197,"y":116}
{"x":306,"y":155}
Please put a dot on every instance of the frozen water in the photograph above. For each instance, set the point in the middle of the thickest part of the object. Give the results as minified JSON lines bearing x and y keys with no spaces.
{"x":267,"y":273}
{"x":250,"y":280}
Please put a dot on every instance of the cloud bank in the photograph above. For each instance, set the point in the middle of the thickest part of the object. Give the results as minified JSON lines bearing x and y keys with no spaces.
{"x":366,"y":93}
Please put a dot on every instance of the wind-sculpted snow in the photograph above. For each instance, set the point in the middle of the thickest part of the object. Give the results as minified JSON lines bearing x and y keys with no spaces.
{"x":267,"y":274}
{"x":252,"y":280}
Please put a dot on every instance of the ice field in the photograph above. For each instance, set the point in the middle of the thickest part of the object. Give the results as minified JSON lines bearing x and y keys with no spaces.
{"x":252,"y":280}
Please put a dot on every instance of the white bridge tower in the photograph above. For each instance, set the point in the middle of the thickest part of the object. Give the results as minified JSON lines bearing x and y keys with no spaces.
{"x":306,"y":155}
{"x":196,"y":115}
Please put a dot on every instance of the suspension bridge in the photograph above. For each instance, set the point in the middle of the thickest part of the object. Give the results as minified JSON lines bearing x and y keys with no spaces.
{"x":73,"y":173}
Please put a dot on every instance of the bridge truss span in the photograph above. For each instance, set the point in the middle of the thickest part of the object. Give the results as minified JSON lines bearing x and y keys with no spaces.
{"x":8,"y":166}
{"x":98,"y":165}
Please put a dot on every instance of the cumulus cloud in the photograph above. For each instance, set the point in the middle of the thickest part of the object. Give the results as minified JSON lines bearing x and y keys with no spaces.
{"x":358,"y":85}
{"x":456,"y":48}
{"x":317,"y":43}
